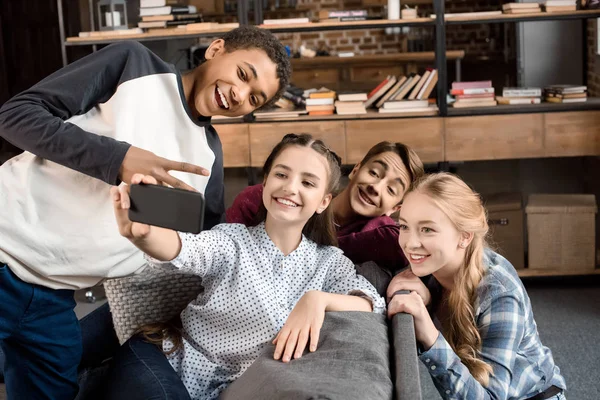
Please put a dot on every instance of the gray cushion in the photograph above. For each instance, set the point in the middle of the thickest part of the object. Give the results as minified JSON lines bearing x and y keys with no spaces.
{"x":379,"y":277}
{"x":351,"y":362}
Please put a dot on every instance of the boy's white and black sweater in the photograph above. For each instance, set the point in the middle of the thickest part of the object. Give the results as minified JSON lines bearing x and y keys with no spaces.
{"x":57,"y":227}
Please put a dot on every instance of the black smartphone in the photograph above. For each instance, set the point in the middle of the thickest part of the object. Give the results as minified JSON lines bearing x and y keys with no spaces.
{"x":177,"y":209}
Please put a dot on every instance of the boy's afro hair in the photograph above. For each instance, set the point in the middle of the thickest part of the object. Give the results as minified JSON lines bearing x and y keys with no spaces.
{"x":250,"y":37}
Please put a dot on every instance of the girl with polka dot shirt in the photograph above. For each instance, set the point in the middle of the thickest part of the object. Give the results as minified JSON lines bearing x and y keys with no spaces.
{"x":274,"y":280}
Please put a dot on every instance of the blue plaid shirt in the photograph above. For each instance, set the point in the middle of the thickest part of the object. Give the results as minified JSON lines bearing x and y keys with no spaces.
{"x":523,"y":367}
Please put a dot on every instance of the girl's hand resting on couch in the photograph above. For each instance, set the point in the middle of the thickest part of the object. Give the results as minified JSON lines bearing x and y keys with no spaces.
{"x":303,"y":324}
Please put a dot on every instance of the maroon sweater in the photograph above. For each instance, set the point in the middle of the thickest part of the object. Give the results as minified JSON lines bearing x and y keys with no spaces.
{"x":365,"y":239}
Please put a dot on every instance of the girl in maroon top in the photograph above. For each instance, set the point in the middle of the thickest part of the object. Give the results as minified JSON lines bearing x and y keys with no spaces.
{"x":362,"y":210}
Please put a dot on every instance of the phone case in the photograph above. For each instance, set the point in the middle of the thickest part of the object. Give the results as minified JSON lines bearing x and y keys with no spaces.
{"x":177,"y":209}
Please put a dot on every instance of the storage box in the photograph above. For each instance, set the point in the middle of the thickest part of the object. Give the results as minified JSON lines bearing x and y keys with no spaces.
{"x":506,"y":220}
{"x":561,"y":231}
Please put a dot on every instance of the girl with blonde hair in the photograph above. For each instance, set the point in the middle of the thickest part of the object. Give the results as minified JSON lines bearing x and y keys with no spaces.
{"x":473,"y":319}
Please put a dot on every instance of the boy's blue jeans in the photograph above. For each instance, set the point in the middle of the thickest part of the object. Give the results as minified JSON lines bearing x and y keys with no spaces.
{"x":40,"y":338}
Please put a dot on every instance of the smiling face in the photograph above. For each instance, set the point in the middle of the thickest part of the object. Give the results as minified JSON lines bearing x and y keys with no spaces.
{"x":233,"y":83}
{"x":295,"y":187}
{"x":377,"y":188}
{"x":428,"y":237}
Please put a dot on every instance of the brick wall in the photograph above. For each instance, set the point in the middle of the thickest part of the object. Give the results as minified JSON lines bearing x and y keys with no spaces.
{"x":485,"y":40}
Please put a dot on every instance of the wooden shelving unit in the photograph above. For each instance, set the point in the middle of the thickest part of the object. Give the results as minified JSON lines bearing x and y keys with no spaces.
{"x":534,"y":273}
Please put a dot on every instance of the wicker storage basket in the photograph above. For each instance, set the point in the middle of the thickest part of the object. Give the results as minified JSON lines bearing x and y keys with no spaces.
{"x":154,"y":295}
{"x":507,"y":231}
{"x":561,"y":231}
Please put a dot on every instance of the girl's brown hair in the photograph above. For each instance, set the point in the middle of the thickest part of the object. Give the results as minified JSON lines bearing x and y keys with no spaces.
{"x":465,"y":209}
{"x":319,"y":228}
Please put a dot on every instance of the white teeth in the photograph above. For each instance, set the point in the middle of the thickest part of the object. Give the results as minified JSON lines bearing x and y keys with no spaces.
{"x":416,"y":257}
{"x":223,"y":99}
{"x":287,"y":202}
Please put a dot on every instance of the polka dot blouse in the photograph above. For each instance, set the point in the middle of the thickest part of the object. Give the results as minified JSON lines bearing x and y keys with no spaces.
{"x":250,"y":288}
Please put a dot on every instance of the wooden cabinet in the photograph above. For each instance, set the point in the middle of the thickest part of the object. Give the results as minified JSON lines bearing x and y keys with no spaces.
{"x":572,"y":134}
{"x":235,"y":139}
{"x":492,"y":137}
{"x":264,"y":136}
{"x":424,"y":135}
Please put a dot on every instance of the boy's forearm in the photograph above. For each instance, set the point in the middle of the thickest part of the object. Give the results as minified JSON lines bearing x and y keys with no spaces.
{"x":343,"y":302}
{"x":161,"y":244}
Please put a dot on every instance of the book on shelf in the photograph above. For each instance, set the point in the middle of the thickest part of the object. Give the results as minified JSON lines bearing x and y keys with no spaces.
{"x":321,"y":112}
{"x":476,"y":100}
{"x":406,"y":104}
{"x":278,"y":113}
{"x":486,"y":103}
{"x":429,"y":110}
{"x":159,"y":3}
{"x":324,"y":107}
{"x":521,"y":8}
{"x":550,"y":9}
{"x":170,"y":17}
{"x":207,"y":26}
{"x":469,"y":14}
{"x":405,"y":88}
{"x":319,"y":101}
{"x":567,"y":95}
{"x":118,"y":32}
{"x":521,"y":92}
{"x":285,"y":21}
{"x":486,"y":90}
{"x":565,"y":89}
{"x":327,"y":14}
{"x":429,"y":85}
{"x":562,"y":100}
{"x":350,"y":107}
{"x":474,"y":96}
{"x":166,"y":24}
{"x":419,"y":85}
{"x":166,"y":10}
{"x":391,"y":91}
{"x":380,"y":90}
{"x":322,"y":94}
{"x":518,"y":100}
{"x":471,"y":85}
{"x":560,"y":3}
{"x":352,"y":96}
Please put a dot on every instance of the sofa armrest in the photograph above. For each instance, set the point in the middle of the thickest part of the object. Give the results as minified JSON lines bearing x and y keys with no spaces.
{"x":406,"y":361}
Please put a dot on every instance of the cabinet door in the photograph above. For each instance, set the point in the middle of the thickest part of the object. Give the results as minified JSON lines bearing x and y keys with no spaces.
{"x":236,"y":144}
{"x":424,"y":135}
{"x":572,"y":133}
{"x":264,"y":136}
{"x":491,"y":137}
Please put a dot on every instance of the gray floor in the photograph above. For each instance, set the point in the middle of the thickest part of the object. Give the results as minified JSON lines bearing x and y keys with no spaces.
{"x":568,"y":316}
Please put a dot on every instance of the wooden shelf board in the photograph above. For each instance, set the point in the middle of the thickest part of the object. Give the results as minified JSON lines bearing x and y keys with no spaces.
{"x":376,"y":58}
{"x":529,"y":273}
{"x":592,"y":103}
{"x":348,"y":25}
{"x":541,"y":16}
{"x":371,"y":114}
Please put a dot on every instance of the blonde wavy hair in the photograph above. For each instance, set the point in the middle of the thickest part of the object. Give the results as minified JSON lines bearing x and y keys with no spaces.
{"x":464,"y":208}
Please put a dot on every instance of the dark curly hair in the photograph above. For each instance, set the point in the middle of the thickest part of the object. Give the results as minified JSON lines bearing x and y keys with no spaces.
{"x":250,"y":37}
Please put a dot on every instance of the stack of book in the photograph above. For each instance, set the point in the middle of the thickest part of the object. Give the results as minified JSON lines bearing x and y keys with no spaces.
{"x":473,"y":94}
{"x":162,"y":14}
{"x":521,"y":8}
{"x":342,"y":15}
{"x":566,"y":94}
{"x":351,"y":103}
{"x":560,"y":5}
{"x":321,"y":102}
{"x":285,"y":21}
{"x":517,"y":95}
{"x":403,"y":88}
